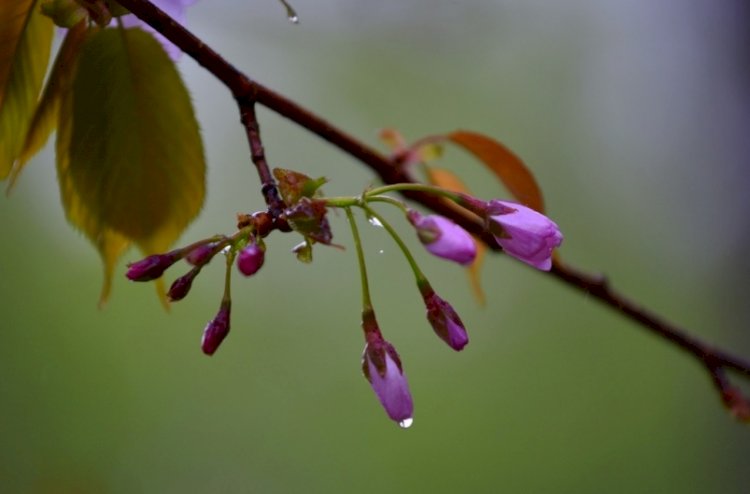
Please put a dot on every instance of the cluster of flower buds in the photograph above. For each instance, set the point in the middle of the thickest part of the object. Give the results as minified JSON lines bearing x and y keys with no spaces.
{"x":523,"y":233}
{"x":245,"y":245}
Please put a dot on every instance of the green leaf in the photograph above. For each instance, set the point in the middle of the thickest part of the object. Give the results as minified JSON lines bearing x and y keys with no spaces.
{"x":58,"y":85}
{"x":25,"y":40}
{"x":130,"y":158}
{"x":108,"y":242}
{"x":508,"y":167}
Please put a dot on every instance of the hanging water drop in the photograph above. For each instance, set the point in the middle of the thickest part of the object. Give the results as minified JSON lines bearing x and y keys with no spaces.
{"x":374,"y":221}
{"x":406,"y":423}
{"x":291,"y":14}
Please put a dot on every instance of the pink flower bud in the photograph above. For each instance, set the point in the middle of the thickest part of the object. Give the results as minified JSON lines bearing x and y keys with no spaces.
{"x":524,"y":233}
{"x":181,"y":286}
{"x":250,"y":259}
{"x":444,"y":320}
{"x":151,"y":267}
{"x":443,"y":238}
{"x":216,"y":330}
{"x":382,"y":367}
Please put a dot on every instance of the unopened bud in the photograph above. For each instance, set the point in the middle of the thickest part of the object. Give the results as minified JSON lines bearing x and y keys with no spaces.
{"x":443,"y":238}
{"x":216,"y":330}
{"x":250,"y":259}
{"x":150,"y":268}
{"x":382,"y":368}
{"x":444,"y":320}
{"x":181,"y":286}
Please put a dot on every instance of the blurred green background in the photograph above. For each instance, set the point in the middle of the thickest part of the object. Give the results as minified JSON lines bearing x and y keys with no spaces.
{"x":634,"y":117}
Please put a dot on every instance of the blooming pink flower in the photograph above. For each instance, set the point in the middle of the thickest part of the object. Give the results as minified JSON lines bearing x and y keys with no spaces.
{"x":382,"y":367}
{"x":250,"y":259}
{"x":216,"y":330}
{"x":444,"y":320}
{"x":524,"y":233}
{"x":443,"y":238}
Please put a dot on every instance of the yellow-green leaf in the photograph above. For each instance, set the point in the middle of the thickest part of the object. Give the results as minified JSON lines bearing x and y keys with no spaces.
{"x":130,"y":157}
{"x":108,"y":242}
{"x":25,"y":40}
{"x":508,"y":167}
{"x":46,"y":114}
{"x":450,"y":181}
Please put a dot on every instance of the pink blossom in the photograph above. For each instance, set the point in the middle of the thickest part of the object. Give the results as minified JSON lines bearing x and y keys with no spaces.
{"x":443,"y":238}
{"x":382,"y":367}
{"x":524,"y":233}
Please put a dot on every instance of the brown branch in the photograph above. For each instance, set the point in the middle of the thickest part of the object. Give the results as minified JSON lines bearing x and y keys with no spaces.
{"x":258,"y":155}
{"x":246,"y":91}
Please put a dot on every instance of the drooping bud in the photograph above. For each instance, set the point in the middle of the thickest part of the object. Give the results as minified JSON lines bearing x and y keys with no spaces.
{"x":444,"y":320}
{"x":443,"y":238}
{"x":181,"y":286}
{"x":250,"y":259}
{"x":524,"y":233}
{"x":382,"y":368}
{"x":152,"y":267}
{"x":217,"y":329}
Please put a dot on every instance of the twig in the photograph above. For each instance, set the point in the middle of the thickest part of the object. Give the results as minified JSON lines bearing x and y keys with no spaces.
{"x":246,"y":91}
{"x":258,"y":155}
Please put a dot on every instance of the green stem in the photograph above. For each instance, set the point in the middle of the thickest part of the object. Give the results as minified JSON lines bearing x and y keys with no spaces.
{"x":366,"y":302}
{"x":429,"y":189}
{"x":420,"y":277}
{"x":342,"y":202}
{"x":389,"y":200}
{"x":227,"y":298}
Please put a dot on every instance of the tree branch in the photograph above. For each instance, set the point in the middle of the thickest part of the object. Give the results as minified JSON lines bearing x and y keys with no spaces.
{"x":246,"y":91}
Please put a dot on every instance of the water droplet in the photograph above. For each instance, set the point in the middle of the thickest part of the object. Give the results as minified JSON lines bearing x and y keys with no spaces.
{"x":374,"y":221}
{"x":291,"y":15}
{"x":406,"y":423}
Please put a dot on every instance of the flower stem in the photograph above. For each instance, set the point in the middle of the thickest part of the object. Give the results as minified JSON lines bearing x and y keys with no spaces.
{"x":227,"y":298}
{"x":389,"y":200}
{"x":429,"y":189}
{"x":366,"y":302}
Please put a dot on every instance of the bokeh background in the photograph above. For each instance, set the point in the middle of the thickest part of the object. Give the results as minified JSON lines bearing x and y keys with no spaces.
{"x":634,"y":115}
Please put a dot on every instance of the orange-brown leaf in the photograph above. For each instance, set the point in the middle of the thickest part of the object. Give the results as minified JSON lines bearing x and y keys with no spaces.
{"x":508,"y":167}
